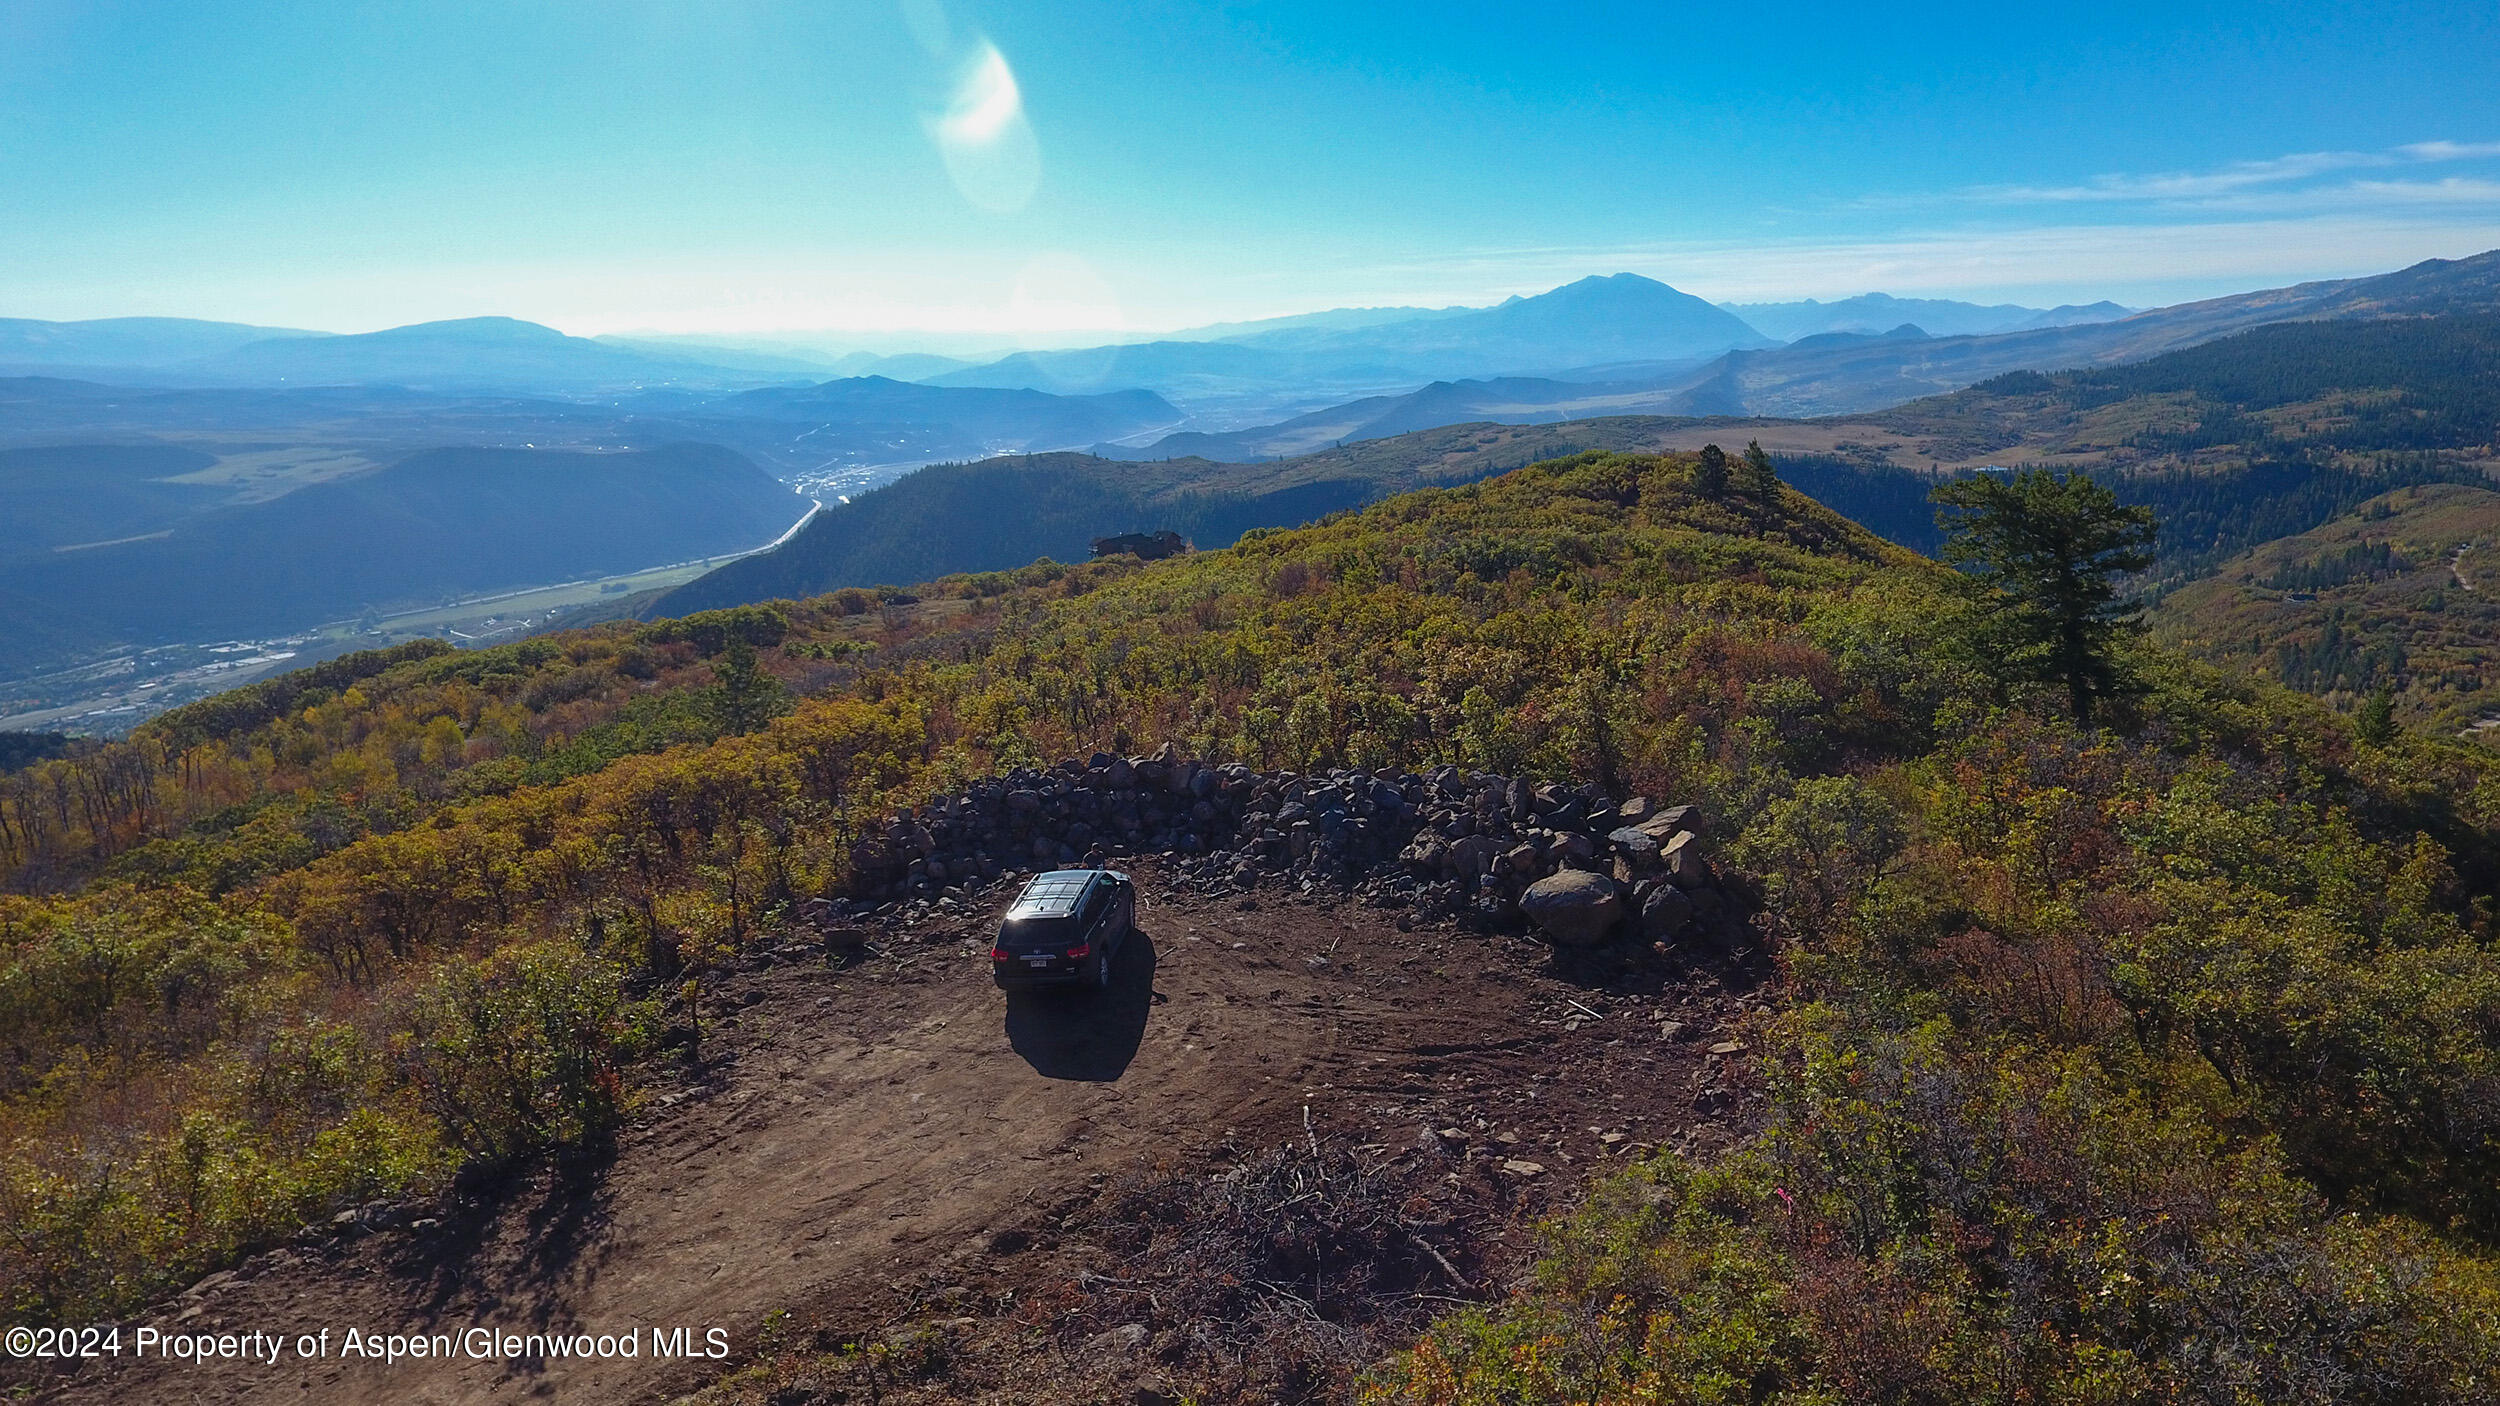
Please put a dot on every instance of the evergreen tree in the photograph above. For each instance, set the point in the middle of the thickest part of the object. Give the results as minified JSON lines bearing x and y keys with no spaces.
{"x":1758,"y":478}
{"x":2376,"y":723}
{"x":2048,"y":548}
{"x":1710,"y":475}
{"x":743,"y":697}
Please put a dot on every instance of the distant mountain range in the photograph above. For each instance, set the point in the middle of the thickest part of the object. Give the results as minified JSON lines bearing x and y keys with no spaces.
{"x":136,"y":342}
{"x":469,"y":354}
{"x":138,"y":513}
{"x":819,"y":433}
{"x":1843,"y":373}
{"x":1938,"y":317}
{"x":1850,"y":377}
{"x":1595,"y":322}
{"x":1512,"y":400}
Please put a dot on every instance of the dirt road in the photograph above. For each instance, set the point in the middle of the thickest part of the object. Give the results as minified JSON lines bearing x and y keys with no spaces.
{"x":856,"y":1135}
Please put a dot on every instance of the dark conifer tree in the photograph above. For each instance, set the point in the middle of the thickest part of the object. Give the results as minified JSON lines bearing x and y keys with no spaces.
{"x":2048,"y":549}
{"x":1710,"y":475}
{"x":1758,"y":478}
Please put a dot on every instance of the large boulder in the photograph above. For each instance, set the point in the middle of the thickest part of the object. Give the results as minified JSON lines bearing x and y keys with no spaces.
{"x":1574,"y":908}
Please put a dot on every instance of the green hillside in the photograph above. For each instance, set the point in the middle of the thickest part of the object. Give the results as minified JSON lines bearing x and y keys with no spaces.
{"x":999,"y":514}
{"x":2326,"y":391}
{"x":2150,"y":1062}
{"x":1003,"y":513}
{"x":2401,"y":591}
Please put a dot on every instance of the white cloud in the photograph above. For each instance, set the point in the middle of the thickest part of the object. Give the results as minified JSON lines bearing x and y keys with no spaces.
{"x":2449,"y":151}
{"x":2142,"y":264}
{"x":2222,"y":185}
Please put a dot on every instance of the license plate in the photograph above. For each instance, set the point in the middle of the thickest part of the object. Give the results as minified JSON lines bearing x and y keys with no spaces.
{"x":1040,"y":961}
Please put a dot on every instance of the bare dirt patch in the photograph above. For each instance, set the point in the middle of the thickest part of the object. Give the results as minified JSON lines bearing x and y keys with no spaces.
{"x":893,"y":1180}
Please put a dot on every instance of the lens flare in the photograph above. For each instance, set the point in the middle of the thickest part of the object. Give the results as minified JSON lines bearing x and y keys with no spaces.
{"x":989,"y":147}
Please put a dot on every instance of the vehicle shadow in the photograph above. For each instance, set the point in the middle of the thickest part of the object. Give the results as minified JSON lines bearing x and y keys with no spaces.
{"x":1085,"y":1034}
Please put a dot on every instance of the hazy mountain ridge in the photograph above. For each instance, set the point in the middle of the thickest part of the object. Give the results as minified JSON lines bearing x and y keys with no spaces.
{"x":1940,"y":317}
{"x":126,"y":341}
{"x":1830,"y":374}
{"x":465,"y":354}
{"x":412,"y":532}
{"x":1830,"y":380}
{"x":1597,"y":321}
{"x":1517,"y":400}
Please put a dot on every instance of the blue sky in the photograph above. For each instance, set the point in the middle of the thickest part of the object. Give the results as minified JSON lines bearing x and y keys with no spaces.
{"x":1042,"y":170}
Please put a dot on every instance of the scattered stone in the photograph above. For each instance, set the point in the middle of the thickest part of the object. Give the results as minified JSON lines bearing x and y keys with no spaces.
{"x":1522,"y":1170}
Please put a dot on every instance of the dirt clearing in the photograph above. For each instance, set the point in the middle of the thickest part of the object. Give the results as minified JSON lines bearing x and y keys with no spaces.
{"x":898,"y":1148}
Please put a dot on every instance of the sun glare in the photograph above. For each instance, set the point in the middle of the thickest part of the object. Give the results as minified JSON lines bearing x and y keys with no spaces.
{"x":988,"y":145}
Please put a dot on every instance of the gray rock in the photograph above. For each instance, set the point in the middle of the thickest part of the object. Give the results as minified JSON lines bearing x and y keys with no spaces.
{"x":1573,"y":908}
{"x":1474,"y":855}
{"x":1683,"y":861}
{"x":1427,"y":855}
{"x":1673,"y":821}
{"x":1665,"y":913}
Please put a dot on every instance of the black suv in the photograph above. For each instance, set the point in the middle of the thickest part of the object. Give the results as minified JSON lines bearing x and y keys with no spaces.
{"x":1064,"y":929}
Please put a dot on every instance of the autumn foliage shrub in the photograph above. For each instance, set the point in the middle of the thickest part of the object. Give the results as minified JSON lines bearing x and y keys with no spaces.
{"x":526,"y":1050}
{"x":1920,"y":1226}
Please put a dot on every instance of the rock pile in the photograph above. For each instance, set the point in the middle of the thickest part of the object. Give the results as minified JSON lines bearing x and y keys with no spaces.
{"x":1577,"y":865}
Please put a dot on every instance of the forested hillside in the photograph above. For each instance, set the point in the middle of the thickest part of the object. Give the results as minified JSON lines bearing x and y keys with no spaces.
{"x":2154,"y":1061}
{"x":2398,"y":593}
{"x":1006,"y":512}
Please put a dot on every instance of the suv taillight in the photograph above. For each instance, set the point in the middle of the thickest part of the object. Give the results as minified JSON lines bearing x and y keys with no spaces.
{"x":1080,"y":950}
{"x":998,"y":954}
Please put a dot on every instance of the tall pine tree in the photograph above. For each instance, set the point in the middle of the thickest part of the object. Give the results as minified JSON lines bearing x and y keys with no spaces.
{"x":2048,"y":549}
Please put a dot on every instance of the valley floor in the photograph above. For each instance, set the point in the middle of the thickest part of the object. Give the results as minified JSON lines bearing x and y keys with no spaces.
{"x":898,"y":1144}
